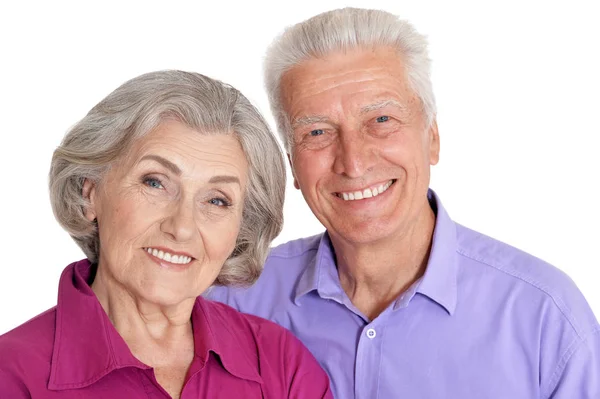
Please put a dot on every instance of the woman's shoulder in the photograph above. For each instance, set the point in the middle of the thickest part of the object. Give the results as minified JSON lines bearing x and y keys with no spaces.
{"x":261,"y":335}
{"x":245,"y":324}
{"x":32,"y":341}
{"x":281,"y":358}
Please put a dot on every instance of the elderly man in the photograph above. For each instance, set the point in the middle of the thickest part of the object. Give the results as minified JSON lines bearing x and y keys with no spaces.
{"x":395,"y":299}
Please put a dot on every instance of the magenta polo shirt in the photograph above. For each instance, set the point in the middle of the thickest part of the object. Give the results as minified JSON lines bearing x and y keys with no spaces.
{"x":73,"y":351}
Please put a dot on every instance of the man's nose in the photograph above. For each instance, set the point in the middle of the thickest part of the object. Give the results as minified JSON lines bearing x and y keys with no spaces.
{"x":354,"y":155}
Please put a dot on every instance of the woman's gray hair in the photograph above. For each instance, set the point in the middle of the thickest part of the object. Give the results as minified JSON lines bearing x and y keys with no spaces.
{"x":342,"y":30}
{"x":136,"y":108}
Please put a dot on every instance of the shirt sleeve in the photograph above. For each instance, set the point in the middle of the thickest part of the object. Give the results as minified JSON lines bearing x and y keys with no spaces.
{"x":578,"y":374}
{"x":11,"y":387}
{"x":306,"y":379}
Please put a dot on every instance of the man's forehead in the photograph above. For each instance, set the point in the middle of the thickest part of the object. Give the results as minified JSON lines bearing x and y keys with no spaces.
{"x":356,"y":64}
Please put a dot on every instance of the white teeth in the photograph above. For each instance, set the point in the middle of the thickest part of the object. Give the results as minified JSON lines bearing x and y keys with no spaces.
{"x":366,"y":193}
{"x":177,"y":259}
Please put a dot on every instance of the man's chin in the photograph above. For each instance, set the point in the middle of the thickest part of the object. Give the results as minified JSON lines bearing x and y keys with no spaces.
{"x":362,"y":233}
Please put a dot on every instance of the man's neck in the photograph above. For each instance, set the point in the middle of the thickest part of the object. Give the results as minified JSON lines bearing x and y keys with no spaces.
{"x":373,"y":275}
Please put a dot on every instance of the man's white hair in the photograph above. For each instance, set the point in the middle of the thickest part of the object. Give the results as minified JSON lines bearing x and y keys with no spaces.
{"x":342,"y":30}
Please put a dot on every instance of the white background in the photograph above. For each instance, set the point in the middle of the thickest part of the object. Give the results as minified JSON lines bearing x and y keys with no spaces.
{"x":517,"y":86}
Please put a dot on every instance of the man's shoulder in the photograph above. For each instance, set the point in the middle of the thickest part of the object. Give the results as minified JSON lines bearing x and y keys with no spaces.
{"x":286,"y":262}
{"x":510,"y":260}
{"x":518,"y":268}
{"x":270,"y":295}
{"x":32,"y":341}
{"x":297,"y":248}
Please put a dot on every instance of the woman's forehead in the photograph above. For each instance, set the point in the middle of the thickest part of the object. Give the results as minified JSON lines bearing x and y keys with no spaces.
{"x":184,"y":150}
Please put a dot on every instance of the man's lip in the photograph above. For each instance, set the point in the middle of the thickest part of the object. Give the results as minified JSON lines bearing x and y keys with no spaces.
{"x":370,"y":186}
{"x":172,"y":252}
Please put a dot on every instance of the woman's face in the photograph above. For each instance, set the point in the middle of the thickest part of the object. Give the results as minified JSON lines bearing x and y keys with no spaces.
{"x":169,"y":212}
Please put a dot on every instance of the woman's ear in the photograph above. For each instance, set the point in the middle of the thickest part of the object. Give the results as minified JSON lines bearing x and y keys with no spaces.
{"x":89,"y":194}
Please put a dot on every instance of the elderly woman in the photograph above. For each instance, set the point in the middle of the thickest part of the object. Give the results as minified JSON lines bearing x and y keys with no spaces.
{"x":171,"y":184}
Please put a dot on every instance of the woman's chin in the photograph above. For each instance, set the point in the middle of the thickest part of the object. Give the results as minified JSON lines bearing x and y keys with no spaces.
{"x":166,"y":296}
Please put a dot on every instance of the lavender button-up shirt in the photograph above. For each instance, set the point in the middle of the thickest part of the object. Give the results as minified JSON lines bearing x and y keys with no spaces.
{"x":485,"y":321}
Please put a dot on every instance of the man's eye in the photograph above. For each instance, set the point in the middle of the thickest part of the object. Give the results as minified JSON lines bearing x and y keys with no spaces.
{"x":317,"y":132}
{"x":152,"y":182}
{"x":383,"y":118}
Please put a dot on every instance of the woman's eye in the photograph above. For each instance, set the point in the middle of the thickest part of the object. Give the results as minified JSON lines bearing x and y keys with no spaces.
{"x":317,"y":132}
{"x":383,"y":118}
{"x":153,"y":182}
{"x":219,"y":202}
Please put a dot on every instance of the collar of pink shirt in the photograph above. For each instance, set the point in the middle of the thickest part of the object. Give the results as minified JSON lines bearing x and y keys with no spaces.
{"x":87,"y":346}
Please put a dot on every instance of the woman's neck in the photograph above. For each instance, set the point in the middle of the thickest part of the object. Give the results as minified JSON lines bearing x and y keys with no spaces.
{"x":155,"y":333}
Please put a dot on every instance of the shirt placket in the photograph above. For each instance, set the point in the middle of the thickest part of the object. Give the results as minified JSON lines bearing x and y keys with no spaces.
{"x":153,"y":389}
{"x":368,"y":361}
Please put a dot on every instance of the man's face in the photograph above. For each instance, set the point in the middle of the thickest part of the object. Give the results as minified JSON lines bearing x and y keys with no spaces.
{"x":361,"y":149}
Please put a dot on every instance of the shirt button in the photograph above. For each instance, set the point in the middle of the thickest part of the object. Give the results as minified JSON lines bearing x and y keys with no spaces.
{"x":371,"y":333}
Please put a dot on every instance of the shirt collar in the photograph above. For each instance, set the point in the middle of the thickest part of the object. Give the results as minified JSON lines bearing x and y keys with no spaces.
{"x":216,"y":331}
{"x":87,"y":346}
{"x":321,"y":274}
{"x":438,"y":283}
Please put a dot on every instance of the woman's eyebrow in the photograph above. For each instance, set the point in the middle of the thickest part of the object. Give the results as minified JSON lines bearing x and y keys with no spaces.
{"x":175,"y":169}
{"x":225,"y":179}
{"x":164,"y":162}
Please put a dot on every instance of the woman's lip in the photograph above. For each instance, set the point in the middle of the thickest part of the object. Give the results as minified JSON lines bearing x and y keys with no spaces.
{"x":164,"y":249}
{"x":167,"y":264}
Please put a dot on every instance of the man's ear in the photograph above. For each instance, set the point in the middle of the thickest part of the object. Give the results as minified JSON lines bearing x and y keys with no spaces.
{"x":434,"y":143}
{"x":89,"y":194}
{"x":289,"y":157}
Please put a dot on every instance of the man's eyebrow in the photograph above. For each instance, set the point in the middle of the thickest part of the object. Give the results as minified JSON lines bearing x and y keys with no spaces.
{"x":164,"y":162}
{"x":381,"y":104}
{"x":308,"y":120}
{"x":225,"y":179}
